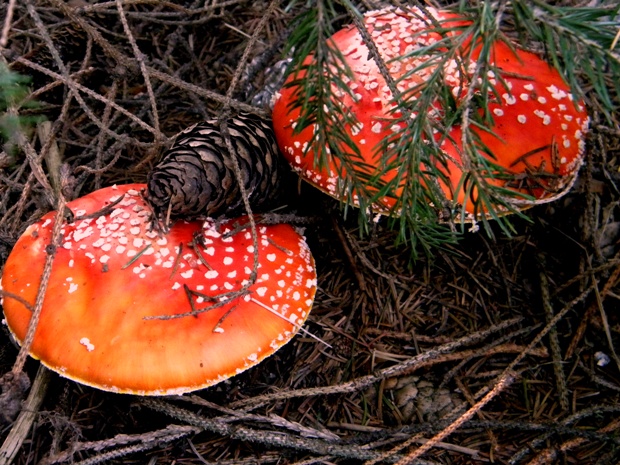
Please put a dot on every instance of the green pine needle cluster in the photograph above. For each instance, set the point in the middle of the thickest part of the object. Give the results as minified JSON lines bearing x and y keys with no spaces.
{"x":321,"y":80}
{"x":578,"y":41}
{"x":13,"y":95}
{"x":582,"y":42}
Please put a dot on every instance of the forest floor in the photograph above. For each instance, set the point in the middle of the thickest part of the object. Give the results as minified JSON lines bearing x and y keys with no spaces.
{"x":494,"y":350}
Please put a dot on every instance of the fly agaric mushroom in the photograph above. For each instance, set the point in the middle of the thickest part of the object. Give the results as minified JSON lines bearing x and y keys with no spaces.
{"x":113,"y":279}
{"x":537,"y":134}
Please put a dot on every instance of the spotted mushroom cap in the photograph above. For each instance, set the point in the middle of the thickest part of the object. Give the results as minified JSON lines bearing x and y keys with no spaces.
{"x":112,"y":278}
{"x":537,"y":134}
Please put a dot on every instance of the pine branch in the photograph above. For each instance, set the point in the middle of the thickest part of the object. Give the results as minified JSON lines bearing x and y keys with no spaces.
{"x":418,"y":156}
{"x":324,"y":80}
{"x":578,"y":42}
{"x":14,"y":93}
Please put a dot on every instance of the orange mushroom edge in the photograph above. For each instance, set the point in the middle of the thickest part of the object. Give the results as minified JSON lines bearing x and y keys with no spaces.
{"x":114,"y":313}
{"x":537,"y":134}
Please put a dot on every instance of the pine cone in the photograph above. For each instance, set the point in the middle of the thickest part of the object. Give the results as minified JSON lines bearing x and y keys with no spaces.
{"x":415,"y":396}
{"x":196,"y":178}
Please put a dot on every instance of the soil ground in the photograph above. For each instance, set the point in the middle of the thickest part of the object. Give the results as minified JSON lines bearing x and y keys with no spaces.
{"x":414,"y":352}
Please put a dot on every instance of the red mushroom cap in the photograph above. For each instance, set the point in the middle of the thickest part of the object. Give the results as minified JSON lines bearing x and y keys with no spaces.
{"x":538,"y":130}
{"x":112,"y":277}
{"x":537,"y":134}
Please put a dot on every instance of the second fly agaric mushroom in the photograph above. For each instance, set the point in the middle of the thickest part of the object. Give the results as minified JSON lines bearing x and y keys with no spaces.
{"x":537,"y":134}
{"x":113,"y":280}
